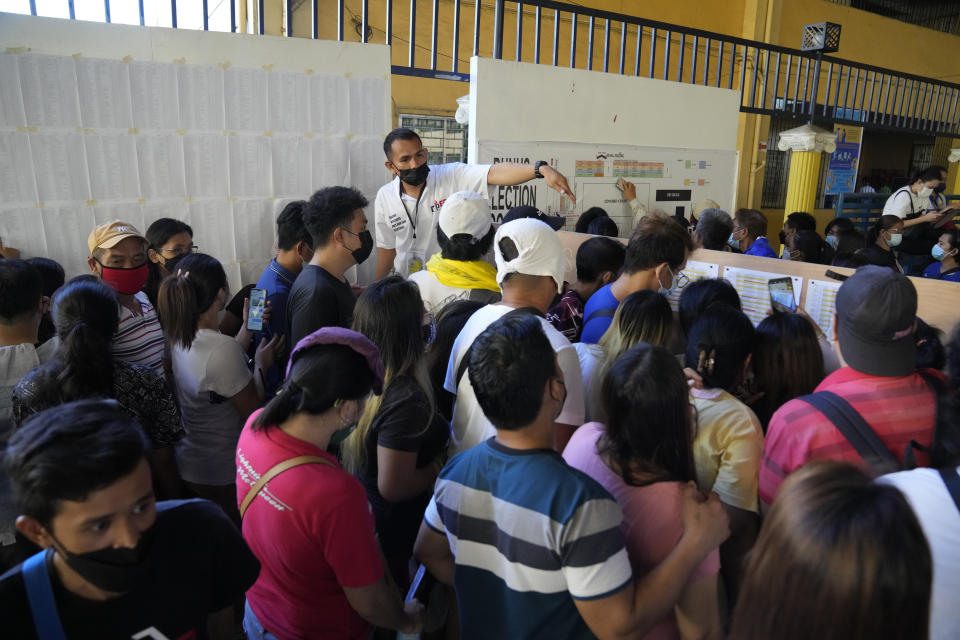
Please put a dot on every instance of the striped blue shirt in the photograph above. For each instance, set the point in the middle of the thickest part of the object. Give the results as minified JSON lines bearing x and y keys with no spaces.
{"x":529,"y":535}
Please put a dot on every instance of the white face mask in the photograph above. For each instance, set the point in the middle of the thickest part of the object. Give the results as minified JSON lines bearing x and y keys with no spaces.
{"x":895,"y":239}
{"x":673,"y":282}
{"x":925,"y":192}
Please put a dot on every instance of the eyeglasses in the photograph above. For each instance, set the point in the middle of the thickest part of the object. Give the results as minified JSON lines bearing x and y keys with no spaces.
{"x":179,"y":252}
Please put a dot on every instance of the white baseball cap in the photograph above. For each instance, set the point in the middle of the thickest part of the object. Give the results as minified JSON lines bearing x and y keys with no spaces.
{"x":540,"y":251}
{"x":465,"y":212}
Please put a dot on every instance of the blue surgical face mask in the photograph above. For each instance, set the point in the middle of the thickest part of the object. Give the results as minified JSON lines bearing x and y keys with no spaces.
{"x":937,"y":252}
{"x":832,"y":241}
{"x":895,"y":239}
{"x":734,"y":244}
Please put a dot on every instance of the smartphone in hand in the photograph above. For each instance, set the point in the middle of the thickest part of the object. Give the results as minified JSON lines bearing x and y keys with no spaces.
{"x":258,"y":302}
{"x":781,"y":295}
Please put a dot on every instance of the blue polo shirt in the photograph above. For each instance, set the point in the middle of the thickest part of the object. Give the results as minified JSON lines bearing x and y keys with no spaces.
{"x":277,"y":281}
{"x":761,"y":248}
{"x":598,"y":314}
{"x":933,"y":271}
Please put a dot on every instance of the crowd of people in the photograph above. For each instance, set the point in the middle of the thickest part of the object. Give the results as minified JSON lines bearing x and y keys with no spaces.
{"x":527,"y":456}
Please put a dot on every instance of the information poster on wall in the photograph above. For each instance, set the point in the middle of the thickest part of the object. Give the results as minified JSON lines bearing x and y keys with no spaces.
{"x":669,"y":180}
{"x":842,"y":172}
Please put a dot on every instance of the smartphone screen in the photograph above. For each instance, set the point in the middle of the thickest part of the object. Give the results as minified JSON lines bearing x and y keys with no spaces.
{"x":781,"y":294}
{"x":258,"y":301}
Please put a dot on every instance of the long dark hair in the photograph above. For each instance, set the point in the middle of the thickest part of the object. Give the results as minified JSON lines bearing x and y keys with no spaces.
{"x":648,"y":431}
{"x":158,"y":233}
{"x":839,"y":557}
{"x":320,"y":376}
{"x":718,"y":346}
{"x":188,"y":293}
{"x":86,"y":316}
{"x":787,"y":362}
{"x":390,"y":313}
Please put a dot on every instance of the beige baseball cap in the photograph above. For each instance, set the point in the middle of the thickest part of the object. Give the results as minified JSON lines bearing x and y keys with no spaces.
{"x":109,"y":234}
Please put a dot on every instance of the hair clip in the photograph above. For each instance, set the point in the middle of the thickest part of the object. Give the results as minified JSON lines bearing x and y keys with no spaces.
{"x":183,"y":274}
{"x":706,"y":362}
{"x":338,"y":402}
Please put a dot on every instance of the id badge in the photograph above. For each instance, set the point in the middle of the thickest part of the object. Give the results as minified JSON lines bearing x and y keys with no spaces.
{"x":414,"y":264}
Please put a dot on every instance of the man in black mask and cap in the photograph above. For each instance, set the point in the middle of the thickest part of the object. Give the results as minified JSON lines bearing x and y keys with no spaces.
{"x":115,"y":563}
{"x":406,"y":209}
{"x":321,"y":296}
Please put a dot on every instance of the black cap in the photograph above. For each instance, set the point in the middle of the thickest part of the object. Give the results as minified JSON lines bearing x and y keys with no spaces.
{"x":876,"y":315}
{"x":526,"y":211}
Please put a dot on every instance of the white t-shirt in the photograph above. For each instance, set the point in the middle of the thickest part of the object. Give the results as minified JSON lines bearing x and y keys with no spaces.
{"x":901,"y":205}
{"x":590,"y":356}
{"x":393,"y":221}
{"x":469,"y":425}
{"x":437,"y":295}
{"x":207,"y":375}
{"x":940,"y":521}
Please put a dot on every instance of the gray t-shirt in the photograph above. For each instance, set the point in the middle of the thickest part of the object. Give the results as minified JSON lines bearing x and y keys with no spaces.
{"x":207,"y":375}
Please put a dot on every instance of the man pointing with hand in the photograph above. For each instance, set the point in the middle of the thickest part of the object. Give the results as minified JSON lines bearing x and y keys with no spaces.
{"x":406,"y":208}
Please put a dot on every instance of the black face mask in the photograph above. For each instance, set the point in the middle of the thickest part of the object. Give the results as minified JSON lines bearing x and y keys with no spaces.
{"x":940,"y":188}
{"x":170,"y":264}
{"x":366,"y":246}
{"x":415,"y":177}
{"x":783,"y":237}
{"x":114,"y":569}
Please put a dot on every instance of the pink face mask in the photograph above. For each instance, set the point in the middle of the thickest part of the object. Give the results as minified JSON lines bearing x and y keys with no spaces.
{"x":125,"y":281}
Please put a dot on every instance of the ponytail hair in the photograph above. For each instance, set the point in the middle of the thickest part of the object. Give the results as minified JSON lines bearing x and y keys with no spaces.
{"x":884,"y":223}
{"x":719,"y":343}
{"x":186,"y":294}
{"x":321,"y":376}
{"x":86,"y":316}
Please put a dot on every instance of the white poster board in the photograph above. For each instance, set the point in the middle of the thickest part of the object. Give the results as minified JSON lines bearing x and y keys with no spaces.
{"x":677,"y":142}
{"x":103,"y":121}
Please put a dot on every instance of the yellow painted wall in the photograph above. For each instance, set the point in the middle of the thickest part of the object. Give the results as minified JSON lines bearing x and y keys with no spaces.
{"x":866,"y":38}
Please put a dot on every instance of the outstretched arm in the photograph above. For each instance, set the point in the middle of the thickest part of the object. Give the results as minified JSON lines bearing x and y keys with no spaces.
{"x":508,"y":173}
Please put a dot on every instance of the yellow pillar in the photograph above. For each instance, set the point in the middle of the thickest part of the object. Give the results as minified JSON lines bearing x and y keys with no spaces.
{"x":953,"y":171}
{"x":802,"y":182}
{"x":807,"y":145}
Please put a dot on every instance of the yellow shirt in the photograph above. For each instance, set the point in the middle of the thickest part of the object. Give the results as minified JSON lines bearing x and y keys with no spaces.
{"x":727,"y":447}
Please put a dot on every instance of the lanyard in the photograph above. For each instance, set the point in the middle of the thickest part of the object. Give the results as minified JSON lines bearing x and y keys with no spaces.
{"x":416,"y":208}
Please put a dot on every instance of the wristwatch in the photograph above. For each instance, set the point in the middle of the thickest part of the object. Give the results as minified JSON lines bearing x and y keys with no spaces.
{"x":536,"y":168}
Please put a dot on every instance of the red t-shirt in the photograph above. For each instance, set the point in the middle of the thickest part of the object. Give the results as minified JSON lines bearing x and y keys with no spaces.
{"x":897,"y":409}
{"x":313,"y":532}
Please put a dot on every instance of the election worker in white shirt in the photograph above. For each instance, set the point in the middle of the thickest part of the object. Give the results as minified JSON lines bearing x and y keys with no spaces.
{"x":406,"y":208}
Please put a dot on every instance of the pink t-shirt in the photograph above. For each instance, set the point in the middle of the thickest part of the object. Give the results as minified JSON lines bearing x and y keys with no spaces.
{"x":313,"y":532}
{"x":652,"y":516}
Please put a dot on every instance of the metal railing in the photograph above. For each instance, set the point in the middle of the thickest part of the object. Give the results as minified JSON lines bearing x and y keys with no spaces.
{"x":771,"y":79}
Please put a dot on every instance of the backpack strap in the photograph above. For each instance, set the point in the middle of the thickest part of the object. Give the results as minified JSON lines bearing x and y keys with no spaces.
{"x":854,"y":428}
{"x":952,"y":479}
{"x":273,"y":472}
{"x":605,"y":312}
{"x":43,"y":607}
{"x":513,"y":313}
